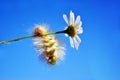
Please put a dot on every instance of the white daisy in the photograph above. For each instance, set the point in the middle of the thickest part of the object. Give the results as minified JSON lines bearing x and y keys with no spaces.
{"x":74,"y":28}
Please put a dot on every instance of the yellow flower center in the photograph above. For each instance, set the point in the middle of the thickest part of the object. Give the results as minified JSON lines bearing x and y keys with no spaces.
{"x":71,"y":30}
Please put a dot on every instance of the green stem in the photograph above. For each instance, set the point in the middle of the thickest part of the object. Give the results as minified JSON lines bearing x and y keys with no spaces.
{"x":25,"y":37}
{"x":16,"y":39}
{"x":50,"y":33}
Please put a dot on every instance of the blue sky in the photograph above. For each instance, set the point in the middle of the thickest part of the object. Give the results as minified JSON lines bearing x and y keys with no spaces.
{"x":98,"y":57}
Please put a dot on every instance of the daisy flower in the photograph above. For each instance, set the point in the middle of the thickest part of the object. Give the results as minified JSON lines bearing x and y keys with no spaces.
{"x":74,"y":28}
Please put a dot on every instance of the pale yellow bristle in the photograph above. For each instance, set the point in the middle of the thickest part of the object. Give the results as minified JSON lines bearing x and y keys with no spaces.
{"x":48,"y":44}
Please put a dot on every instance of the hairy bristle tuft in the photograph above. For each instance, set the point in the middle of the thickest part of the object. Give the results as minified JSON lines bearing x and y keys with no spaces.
{"x":48,"y":47}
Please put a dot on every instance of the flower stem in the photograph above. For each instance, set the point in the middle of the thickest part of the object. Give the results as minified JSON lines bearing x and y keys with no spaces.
{"x":59,"y":32}
{"x":64,"y":31}
{"x":16,"y":39}
{"x":25,"y":37}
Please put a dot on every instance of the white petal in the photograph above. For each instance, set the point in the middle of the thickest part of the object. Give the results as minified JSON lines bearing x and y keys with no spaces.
{"x":65,"y":18}
{"x":78,"y":39}
{"x":71,"y":17}
{"x":77,"y":21}
{"x":80,"y":24}
{"x":66,"y":35}
{"x":76,"y":44}
{"x":65,"y":28}
{"x":80,"y":30}
{"x":71,"y":42}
